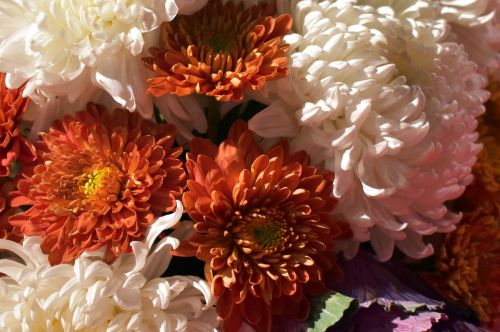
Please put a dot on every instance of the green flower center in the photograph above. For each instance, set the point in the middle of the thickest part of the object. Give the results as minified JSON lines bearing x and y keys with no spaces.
{"x":267,"y":235}
{"x":261,"y":231}
{"x":219,"y":43}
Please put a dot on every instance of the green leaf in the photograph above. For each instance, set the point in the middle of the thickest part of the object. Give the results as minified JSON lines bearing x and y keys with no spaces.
{"x":328,"y":309}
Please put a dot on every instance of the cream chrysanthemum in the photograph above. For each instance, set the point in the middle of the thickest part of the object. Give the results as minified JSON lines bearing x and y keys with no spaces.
{"x":72,"y":48}
{"x":476,"y":25}
{"x":90,"y":295}
{"x":378,"y":96}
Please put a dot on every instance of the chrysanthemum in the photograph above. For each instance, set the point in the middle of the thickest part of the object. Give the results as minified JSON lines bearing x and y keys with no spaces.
{"x":7,"y":185}
{"x":220,"y":51}
{"x":473,"y":24}
{"x":13,"y":146}
{"x":262,"y":227}
{"x":68,"y":48}
{"x":92,"y":296}
{"x":468,"y":264}
{"x":101,"y":179}
{"x":485,"y":189}
{"x":379,"y":97}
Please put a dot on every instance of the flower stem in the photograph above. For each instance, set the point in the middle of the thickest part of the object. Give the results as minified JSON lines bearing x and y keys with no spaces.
{"x":213,"y":118}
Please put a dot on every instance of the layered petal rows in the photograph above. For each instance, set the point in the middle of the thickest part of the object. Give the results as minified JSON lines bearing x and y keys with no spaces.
{"x":101,"y":180}
{"x":262,"y":227}
{"x":379,"y":96}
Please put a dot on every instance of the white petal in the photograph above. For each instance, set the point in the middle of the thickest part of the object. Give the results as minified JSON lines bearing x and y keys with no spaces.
{"x":274,"y":121}
{"x":188,"y":7}
{"x":111,"y":75}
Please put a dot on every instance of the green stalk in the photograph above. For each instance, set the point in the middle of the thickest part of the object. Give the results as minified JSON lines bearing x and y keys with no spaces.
{"x":213,"y":119}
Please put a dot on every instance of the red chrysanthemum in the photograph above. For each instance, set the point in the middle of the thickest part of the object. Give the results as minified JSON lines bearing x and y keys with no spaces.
{"x":262,"y":226}
{"x":101,"y":180}
{"x":220,"y":51}
{"x":12,"y":145}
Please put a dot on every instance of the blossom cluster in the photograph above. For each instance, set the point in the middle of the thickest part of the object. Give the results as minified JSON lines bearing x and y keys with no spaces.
{"x":249,"y":165}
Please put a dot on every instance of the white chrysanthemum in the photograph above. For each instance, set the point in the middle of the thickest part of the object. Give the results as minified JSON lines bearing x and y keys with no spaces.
{"x":386,"y":104}
{"x":128,"y":295}
{"x":473,"y":24}
{"x":72,"y":47}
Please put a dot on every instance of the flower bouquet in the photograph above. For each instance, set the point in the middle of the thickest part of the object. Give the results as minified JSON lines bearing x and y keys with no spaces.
{"x":239,"y":165}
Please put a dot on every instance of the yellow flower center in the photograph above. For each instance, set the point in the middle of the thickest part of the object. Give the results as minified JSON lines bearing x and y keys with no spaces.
{"x":100,"y":183}
{"x":95,"y":181}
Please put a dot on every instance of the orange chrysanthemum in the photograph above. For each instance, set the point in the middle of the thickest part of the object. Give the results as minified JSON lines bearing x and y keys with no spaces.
{"x":12,"y":145}
{"x":468,"y":264}
{"x":101,"y":180}
{"x":220,"y":51}
{"x":262,"y":226}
